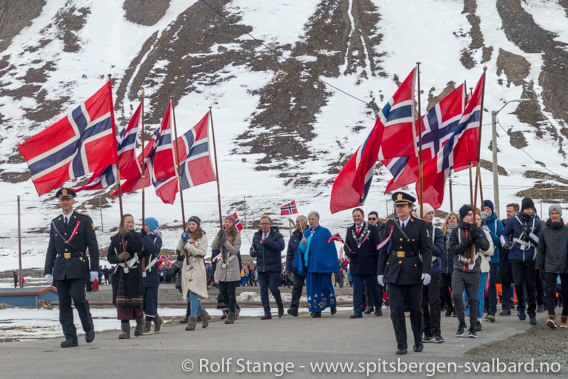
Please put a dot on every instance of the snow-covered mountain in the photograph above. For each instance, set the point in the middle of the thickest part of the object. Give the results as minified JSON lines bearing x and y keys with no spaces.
{"x":270,"y":70}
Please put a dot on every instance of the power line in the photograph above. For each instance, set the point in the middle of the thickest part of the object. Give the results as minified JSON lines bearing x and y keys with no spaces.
{"x":528,"y":155}
{"x":292,"y":61}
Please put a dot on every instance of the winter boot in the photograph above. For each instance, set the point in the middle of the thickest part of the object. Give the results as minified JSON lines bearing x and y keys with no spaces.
{"x":191,"y":323}
{"x":158,"y":324}
{"x":230,"y":318}
{"x":147,"y":328}
{"x":563,"y":323}
{"x":551,"y":322}
{"x":204,"y":318}
{"x":125,"y":328}
{"x":139,"y":327}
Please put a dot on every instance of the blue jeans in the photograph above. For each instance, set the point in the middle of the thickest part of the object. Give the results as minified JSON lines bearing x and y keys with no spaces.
{"x":196,"y":306}
{"x":358,"y":291}
{"x":492,"y":294}
{"x":269,"y":280}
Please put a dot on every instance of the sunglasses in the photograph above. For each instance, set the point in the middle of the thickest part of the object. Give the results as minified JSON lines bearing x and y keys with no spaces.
{"x":372,"y":218}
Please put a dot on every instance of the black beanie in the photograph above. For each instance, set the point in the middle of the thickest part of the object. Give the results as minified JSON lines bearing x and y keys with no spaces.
{"x":527,"y":203}
{"x":465,"y":210}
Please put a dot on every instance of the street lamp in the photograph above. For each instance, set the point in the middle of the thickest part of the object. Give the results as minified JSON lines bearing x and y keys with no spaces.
{"x":20,"y":238}
{"x":494,"y":149}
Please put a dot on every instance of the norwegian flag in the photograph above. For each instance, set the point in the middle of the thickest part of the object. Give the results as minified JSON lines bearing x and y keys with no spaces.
{"x":165,"y":261}
{"x":195,"y":162}
{"x":238,"y":224}
{"x":437,"y":127}
{"x":335,"y":237}
{"x":392,"y":136}
{"x":289,"y":209}
{"x":460,"y":149}
{"x":129,"y":166}
{"x":159,"y":161}
{"x":78,"y":144}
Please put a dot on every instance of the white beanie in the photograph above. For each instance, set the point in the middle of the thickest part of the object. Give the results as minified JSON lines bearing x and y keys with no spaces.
{"x":426,"y":208}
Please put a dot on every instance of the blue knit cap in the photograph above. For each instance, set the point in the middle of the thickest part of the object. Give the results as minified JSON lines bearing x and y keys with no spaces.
{"x":489,"y":203}
{"x":152,"y":223}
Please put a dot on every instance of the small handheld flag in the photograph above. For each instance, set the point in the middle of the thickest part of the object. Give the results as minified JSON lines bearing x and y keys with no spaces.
{"x":335,"y":237}
{"x":289,"y":209}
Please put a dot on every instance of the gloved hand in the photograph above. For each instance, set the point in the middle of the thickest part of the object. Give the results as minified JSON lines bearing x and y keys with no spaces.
{"x":221,"y":232}
{"x":94,"y":275}
{"x":483,"y":215}
{"x":222,"y":239}
{"x":524,"y":229}
{"x":474,"y":231}
{"x":123,"y":256}
{"x":48,"y":278}
{"x":185,"y":236}
{"x":426,"y":278}
{"x":381,"y":280}
{"x":143,"y":232}
{"x":509,"y":245}
{"x":122,"y":231}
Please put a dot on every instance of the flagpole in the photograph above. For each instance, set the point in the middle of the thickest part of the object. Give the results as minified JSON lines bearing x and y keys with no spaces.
{"x":217,"y":177}
{"x":451,"y":196}
{"x":470,"y":185}
{"x":143,"y":184}
{"x":478,"y":173}
{"x":420,"y":143}
{"x":143,"y":162}
{"x":115,"y":149}
{"x":178,"y":171}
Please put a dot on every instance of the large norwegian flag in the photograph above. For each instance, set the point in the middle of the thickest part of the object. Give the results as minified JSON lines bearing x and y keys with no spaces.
{"x":127,"y":163}
{"x":392,"y":136}
{"x":78,"y":144}
{"x":437,"y":126}
{"x":458,"y":152}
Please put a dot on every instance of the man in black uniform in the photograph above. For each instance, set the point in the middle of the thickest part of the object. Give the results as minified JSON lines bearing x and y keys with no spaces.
{"x":405,"y":264}
{"x":361,"y":247}
{"x":67,"y":264}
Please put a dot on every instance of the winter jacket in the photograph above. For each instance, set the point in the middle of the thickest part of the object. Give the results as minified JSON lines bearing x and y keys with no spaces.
{"x":438,"y":247}
{"x":553,"y":248}
{"x":461,"y":240}
{"x":447,"y":259}
{"x":292,"y":247}
{"x":193,"y":273}
{"x":362,"y":258}
{"x":268,"y":251}
{"x":525,"y":247}
{"x":152,"y":244}
{"x":232,"y":270}
{"x":495,"y":229}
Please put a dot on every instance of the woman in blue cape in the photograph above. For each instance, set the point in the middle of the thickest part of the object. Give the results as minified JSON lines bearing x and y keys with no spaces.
{"x":317,"y":260}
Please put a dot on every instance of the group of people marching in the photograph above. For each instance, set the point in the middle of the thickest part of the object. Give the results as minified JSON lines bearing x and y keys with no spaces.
{"x":416,"y":263}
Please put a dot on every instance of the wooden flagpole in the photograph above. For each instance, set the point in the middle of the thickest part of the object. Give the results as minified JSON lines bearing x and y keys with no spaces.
{"x":478,"y":168}
{"x":420,"y":168}
{"x":143,"y":178}
{"x":116,"y":152}
{"x":224,"y":257}
{"x":451,"y":196}
{"x":178,"y":170}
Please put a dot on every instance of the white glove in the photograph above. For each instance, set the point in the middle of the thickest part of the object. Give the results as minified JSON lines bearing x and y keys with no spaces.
{"x":381,"y":280}
{"x":426,"y":279}
{"x":483,"y":215}
{"x":48,"y":278}
{"x":94,"y":275}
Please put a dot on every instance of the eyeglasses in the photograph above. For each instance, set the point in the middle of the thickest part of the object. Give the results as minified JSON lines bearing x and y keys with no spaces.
{"x":372,"y":218}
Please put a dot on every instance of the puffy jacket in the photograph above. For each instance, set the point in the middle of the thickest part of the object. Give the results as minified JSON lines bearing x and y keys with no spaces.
{"x":553,"y":248}
{"x":447,"y":259}
{"x":438,"y":247}
{"x":268,"y":252}
{"x":495,"y":229}
{"x":525,"y":247}
{"x":460,"y":246}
